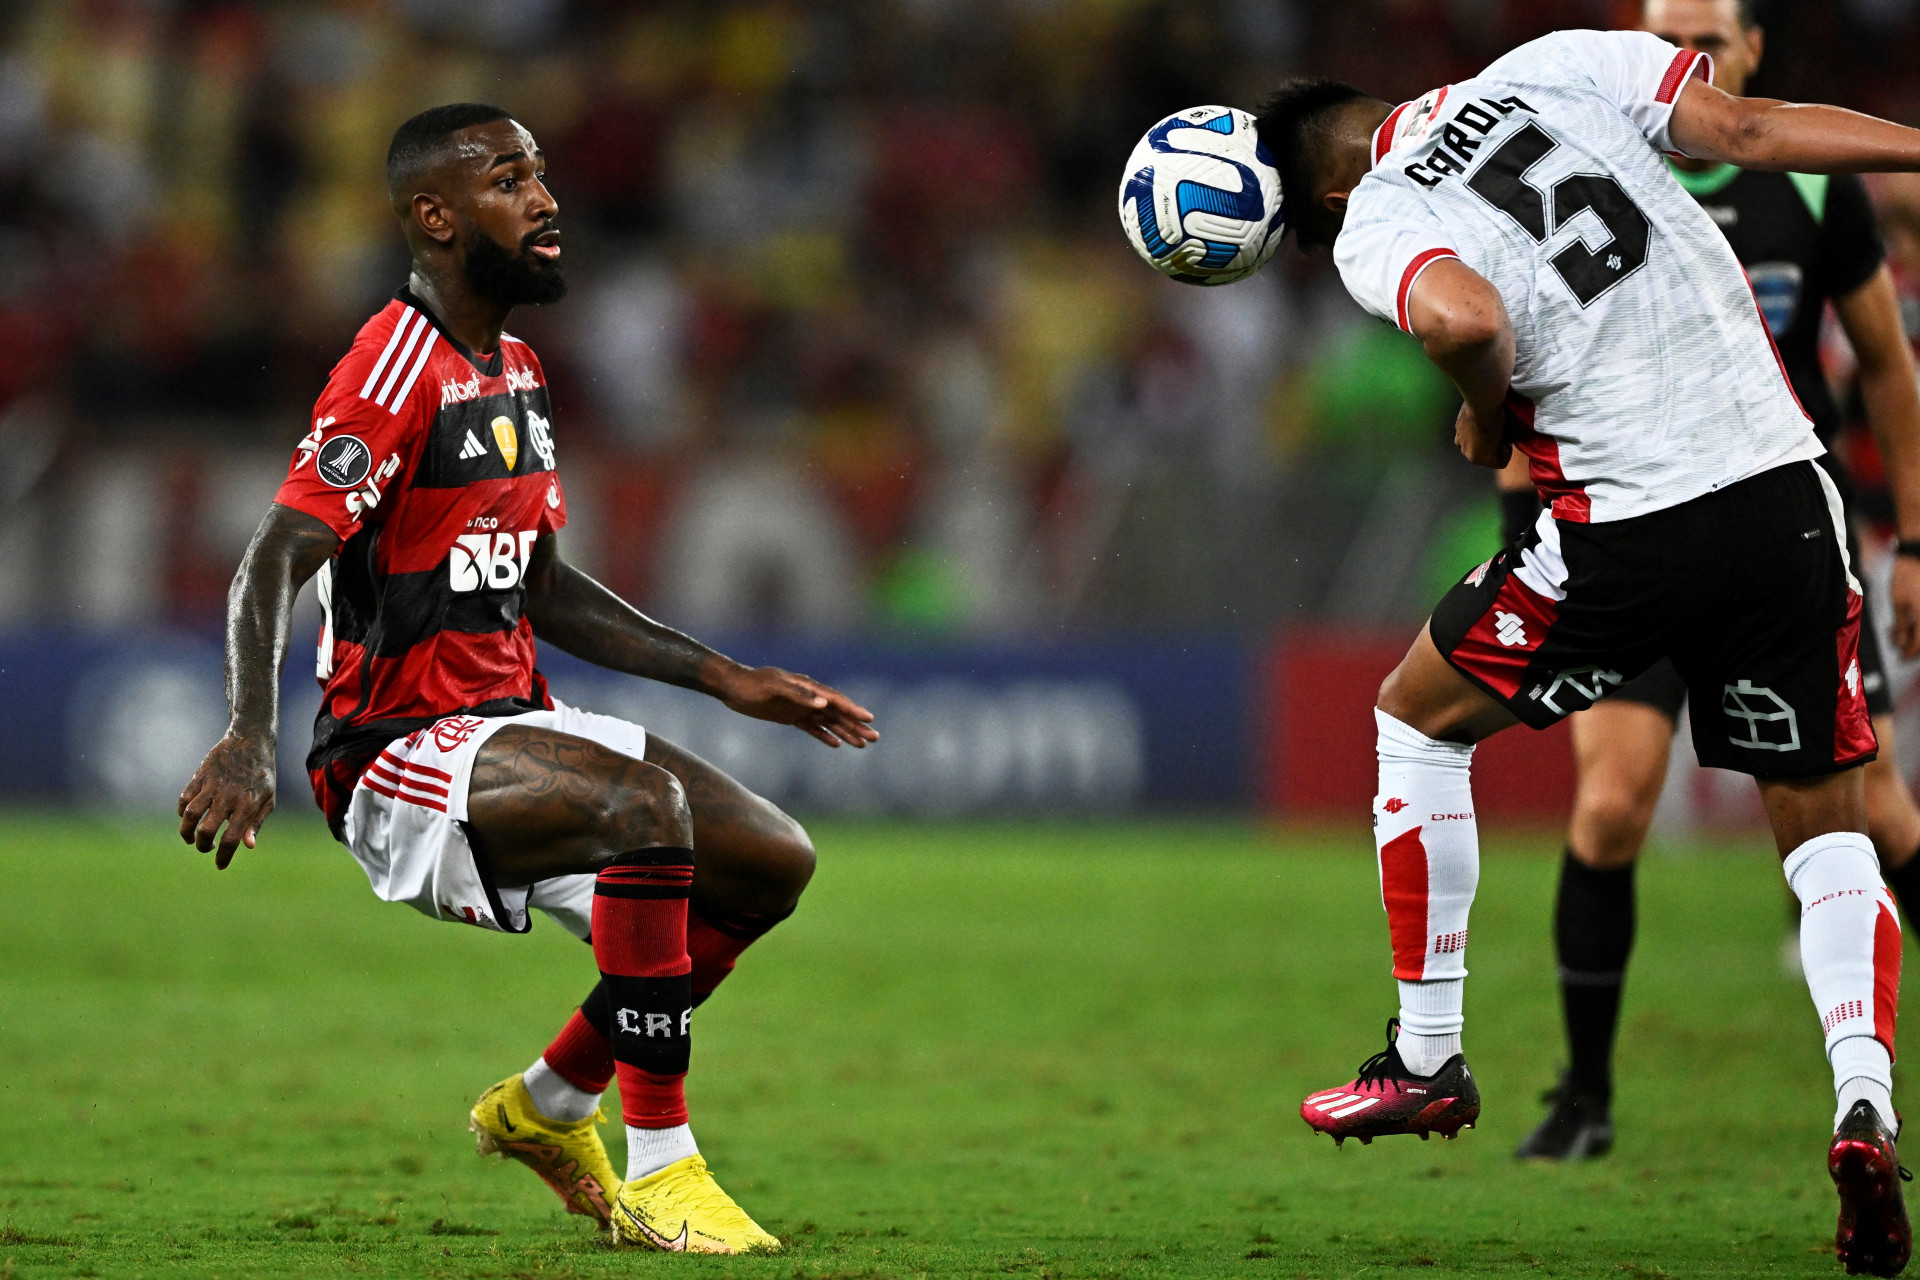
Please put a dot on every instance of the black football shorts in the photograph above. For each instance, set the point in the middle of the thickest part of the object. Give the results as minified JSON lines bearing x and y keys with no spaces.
{"x":1661,"y":687}
{"x":1746,"y":590}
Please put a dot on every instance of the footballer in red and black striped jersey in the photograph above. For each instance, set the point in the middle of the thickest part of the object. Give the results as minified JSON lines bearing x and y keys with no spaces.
{"x":437,"y":469}
{"x":426,"y":500}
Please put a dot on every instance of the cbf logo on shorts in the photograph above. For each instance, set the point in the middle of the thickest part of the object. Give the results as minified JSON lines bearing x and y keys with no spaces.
{"x":1761,"y":719}
{"x":489,"y":561}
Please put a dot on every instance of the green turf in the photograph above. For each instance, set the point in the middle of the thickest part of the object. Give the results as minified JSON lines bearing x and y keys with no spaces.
{"x":1030,"y":1051}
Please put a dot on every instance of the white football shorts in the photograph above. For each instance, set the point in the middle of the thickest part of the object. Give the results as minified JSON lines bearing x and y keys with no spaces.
{"x":407,"y":825}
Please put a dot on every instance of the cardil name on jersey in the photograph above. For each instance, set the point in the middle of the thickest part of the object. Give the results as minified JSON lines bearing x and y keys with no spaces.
{"x":1455,"y":147}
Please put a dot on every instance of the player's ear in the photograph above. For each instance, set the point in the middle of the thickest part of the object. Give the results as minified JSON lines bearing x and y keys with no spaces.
{"x":1336,"y":201}
{"x":433,"y":217}
{"x":1756,"y":44}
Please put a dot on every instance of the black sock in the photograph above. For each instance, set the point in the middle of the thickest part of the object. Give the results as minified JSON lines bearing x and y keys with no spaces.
{"x":1905,"y":883}
{"x":1593,"y":934}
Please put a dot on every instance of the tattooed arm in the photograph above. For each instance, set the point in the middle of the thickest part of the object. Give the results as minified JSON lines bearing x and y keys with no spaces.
{"x":235,"y":783}
{"x":572,"y":612}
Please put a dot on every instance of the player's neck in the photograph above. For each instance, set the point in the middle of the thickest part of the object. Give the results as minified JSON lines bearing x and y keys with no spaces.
{"x":473,"y":320}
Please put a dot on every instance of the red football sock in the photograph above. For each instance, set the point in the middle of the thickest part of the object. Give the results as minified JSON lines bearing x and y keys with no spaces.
{"x":640,"y":944}
{"x":581,"y":1055}
{"x":715,"y":941}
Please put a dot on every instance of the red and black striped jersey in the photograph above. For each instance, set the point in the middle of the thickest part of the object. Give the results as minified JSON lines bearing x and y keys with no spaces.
{"x":435,"y":465}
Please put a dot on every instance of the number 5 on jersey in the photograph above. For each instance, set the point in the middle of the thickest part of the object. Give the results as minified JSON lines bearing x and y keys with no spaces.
{"x":1502,"y":182}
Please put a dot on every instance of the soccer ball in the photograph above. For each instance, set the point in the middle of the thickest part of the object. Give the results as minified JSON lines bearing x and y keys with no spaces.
{"x":1201,"y":199}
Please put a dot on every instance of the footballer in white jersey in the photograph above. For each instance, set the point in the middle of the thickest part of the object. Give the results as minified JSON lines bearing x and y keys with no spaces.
{"x":1638,"y":341}
{"x":1523,"y":227}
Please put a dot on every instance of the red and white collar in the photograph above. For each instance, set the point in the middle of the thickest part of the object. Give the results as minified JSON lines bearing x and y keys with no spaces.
{"x":1409,"y":120}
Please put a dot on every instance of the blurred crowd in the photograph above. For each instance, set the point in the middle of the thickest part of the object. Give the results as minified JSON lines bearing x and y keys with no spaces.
{"x":854,"y":341}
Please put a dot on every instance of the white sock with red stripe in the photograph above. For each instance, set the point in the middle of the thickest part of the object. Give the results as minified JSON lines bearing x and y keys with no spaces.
{"x":1429,"y":845}
{"x":1850,"y":950}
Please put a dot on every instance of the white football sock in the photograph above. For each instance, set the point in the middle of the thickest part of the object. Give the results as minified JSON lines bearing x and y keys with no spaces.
{"x":1429,"y":847}
{"x":651,"y":1150}
{"x":1862,"y":1068}
{"x":556,"y":1097}
{"x":1430,"y":1021}
{"x":1850,"y":950}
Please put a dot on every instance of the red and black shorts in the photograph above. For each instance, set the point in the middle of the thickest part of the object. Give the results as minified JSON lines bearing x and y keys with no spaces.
{"x":1746,"y":589}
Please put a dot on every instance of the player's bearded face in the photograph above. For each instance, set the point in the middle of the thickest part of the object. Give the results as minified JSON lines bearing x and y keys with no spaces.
{"x":511,"y":278}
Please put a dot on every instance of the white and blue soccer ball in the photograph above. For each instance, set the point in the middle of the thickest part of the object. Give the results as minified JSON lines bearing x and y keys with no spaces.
{"x":1201,"y":198}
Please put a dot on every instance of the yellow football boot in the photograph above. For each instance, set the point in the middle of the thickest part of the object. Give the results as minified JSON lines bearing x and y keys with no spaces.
{"x":568,"y":1157}
{"x":681,"y":1209}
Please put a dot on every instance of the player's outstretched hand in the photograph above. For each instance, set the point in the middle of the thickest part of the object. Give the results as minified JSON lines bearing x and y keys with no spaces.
{"x":768,"y":693}
{"x":1906,"y":606}
{"x":233,"y":785}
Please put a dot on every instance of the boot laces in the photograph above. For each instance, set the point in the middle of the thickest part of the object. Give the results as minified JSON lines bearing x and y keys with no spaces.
{"x":1380,"y":1067}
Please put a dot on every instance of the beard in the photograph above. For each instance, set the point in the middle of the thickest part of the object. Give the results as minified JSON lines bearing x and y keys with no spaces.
{"x":511,"y":279}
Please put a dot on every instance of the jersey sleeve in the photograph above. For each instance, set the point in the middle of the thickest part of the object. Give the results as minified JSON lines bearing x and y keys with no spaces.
{"x":1849,"y":235}
{"x":1641,"y":74}
{"x":1383,"y":250}
{"x":346,"y":464}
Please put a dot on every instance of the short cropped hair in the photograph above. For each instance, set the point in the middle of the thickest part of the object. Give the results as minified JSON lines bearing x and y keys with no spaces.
{"x":418,"y":142}
{"x":1293,"y":123}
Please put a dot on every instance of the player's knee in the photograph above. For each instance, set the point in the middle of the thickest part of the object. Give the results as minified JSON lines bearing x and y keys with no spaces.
{"x":762,"y":875}
{"x":1611,"y":821}
{"x":1392,"y":696}
{"x":645,"y":806}
{"x":790,"y":866}
{"x":1406,"y":698}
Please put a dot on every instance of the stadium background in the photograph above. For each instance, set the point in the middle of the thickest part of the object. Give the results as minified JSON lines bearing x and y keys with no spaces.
{"x":857,"y":375}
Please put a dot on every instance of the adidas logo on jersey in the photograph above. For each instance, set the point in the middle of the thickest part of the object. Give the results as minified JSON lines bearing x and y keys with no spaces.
{"x":472,"y":448}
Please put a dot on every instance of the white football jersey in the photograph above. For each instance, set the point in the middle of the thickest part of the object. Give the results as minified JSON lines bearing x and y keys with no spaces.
{"x":1650,"y":374}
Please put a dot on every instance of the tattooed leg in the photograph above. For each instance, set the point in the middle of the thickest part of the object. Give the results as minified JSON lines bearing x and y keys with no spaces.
{"x":544,"y":804}
{"x":754,"y":860}
{"x":754,"y":863}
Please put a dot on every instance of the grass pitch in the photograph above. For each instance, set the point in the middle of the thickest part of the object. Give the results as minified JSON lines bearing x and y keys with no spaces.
{"x":1028,"y":1051}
